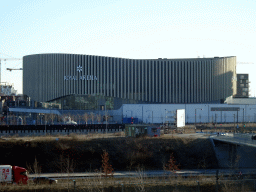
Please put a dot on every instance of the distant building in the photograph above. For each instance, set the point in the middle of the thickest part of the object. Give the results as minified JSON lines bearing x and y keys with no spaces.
{"x":8,"y":90}
{"x":8,"y":101}
{"x":242,"y":86}
{"x":240,"y":101}
{"x":88,"y":82}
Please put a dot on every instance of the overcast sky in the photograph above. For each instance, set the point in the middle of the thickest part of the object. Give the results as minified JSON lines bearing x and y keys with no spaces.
{"x":135,"y":29}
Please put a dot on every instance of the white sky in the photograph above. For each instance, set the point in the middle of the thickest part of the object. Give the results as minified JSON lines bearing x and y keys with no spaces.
{"x":137,"y":29}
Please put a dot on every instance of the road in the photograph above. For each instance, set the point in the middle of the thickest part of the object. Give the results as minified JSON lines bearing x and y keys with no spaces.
{"x":190,"y":135}
{"x":152,"y":173}
{"x":239,"y":139}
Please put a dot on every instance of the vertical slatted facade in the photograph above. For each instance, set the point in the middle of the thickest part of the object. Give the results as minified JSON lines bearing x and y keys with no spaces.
{"x":50,"y":76}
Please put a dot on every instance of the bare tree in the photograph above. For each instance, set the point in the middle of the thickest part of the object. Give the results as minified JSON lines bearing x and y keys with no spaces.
{"x":171,"y":165}
{"x":86,"y":117}
{"x":98,"y":117}
{"x":12,"y":120}
{"x":24,"y":120}
{"x":59,"y":118}
{"x":36,"y":168}
{"x":46,"y":118}
{"x":92,"y":116}
{"x":66,"y":117}
{"x":140,"y":179}
{"x":107,"y":169}
{"x":65,"y":164}
{"x":78,"y":118}
{"x":73,"y":117}
{"x":52,"y":117}
{"x":49,"y":117}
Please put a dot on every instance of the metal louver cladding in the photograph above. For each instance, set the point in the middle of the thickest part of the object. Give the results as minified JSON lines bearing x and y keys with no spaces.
{"x":197,"y":80}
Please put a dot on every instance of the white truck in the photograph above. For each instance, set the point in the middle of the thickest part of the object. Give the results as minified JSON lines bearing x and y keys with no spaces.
{"x":13,"y":174}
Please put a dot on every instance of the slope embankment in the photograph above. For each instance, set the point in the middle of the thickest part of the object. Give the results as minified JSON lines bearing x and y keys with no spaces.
{"x":81,"y":154}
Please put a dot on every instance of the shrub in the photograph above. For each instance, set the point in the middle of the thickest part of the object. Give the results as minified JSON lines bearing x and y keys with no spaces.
{"x":171,"y":165}
{"x":107,"y":169}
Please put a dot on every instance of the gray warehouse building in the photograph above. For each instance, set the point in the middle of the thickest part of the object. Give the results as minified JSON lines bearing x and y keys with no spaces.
{"x":89,"y":82}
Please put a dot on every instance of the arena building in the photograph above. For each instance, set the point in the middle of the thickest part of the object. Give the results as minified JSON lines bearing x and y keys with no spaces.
{"x":93,"y":82}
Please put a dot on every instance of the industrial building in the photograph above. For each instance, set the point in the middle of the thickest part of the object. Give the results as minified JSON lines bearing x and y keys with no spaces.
{"x":242,"y":86}
{"x":87,"y":82}
{"x":194,"y":113}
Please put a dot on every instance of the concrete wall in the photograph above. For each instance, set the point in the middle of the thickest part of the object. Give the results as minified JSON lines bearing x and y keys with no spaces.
{"x":235,"y":156}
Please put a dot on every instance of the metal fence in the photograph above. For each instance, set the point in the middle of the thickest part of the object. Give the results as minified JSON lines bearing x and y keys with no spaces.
{"x":59,"y":129}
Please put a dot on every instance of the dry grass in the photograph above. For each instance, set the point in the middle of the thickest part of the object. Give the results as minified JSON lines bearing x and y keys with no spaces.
{"x":71,"y":136}
{"x":139,"y":183}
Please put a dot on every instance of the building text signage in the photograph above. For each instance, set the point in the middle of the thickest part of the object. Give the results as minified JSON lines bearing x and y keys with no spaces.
{"x":80,"y":77}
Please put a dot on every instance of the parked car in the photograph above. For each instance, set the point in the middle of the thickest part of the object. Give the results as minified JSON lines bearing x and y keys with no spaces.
{"x":44,"y":180}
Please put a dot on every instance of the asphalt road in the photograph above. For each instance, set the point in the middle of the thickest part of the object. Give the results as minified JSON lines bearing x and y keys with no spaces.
{"x":153,"y":173}
{"x":240,"y":139}
{"x":188,"y":135}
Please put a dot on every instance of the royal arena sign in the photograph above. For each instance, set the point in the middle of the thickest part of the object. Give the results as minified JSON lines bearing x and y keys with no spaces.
{"x":79,"y":77}
{"x":83,"y":77}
